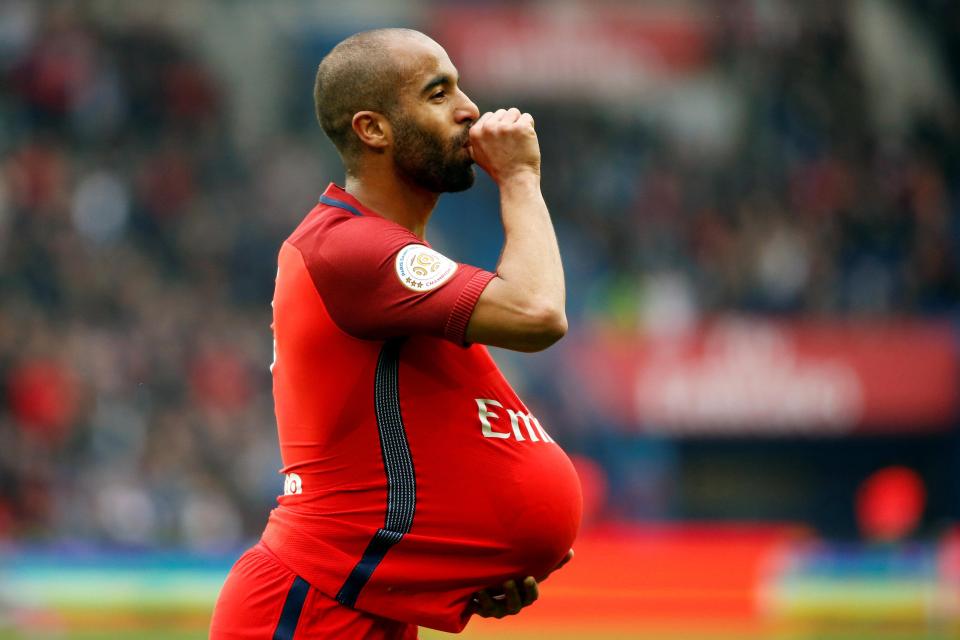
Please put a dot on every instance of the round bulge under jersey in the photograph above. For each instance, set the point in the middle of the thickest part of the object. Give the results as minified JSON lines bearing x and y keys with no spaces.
{"x":415,"y":476}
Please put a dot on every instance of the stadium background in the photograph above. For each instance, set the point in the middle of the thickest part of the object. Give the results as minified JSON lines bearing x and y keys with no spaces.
{"x":757,"y":203}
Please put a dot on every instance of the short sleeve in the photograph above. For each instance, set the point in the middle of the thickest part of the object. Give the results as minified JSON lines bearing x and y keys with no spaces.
{"x":379,"y":281}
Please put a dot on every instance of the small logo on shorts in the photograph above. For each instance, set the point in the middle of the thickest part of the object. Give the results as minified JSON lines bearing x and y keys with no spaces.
{"x":421,"y":268}
{"x":292,"y":484}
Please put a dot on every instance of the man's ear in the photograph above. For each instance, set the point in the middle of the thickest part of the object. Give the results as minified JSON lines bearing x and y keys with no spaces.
{"x":373,"y":129}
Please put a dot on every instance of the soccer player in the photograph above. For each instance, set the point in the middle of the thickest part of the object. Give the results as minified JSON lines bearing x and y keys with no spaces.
{"x":419,"y":489}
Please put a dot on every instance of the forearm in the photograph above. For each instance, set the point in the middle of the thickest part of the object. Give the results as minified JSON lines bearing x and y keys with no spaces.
{"x":530,"y":261}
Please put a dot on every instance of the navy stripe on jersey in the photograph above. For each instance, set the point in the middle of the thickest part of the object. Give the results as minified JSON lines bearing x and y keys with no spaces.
{"x":292,"y":606}
{"x":377,"y":548}
{"x":333,"y":202}
{"x":401,"y":481}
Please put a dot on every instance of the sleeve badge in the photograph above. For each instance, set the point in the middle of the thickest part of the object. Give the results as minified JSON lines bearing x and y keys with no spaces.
{"x":420,"y":268}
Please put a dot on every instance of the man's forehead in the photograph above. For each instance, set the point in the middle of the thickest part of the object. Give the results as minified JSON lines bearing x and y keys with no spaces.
{"x":421,"y":58}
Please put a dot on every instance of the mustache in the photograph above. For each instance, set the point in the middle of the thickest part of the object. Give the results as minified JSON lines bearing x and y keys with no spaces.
{"x":463,"y":138}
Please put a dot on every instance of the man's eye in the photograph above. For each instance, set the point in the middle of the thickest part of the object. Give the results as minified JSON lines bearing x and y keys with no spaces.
{"x":438,"y":94}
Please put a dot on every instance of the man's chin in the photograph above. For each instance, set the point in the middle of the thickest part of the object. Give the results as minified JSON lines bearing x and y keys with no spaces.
{"x":463,"y":182}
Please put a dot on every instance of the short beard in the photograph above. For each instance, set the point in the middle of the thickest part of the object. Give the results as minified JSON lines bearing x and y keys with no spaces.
{"x":430,"y":162}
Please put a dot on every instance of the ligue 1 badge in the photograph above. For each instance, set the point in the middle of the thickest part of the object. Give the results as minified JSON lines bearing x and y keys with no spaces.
{"x":420,"y":268}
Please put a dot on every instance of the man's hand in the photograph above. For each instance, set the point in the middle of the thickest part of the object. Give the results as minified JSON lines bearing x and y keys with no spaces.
{"x":505,"y":144}
{"x":508,"y":601}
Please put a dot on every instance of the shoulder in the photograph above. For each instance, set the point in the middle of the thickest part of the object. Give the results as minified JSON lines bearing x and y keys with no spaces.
{"x":338,"y":244}
{"x":328,"y":232}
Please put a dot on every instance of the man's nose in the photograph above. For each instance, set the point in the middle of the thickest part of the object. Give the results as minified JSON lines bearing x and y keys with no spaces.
{"x":468,"y":111}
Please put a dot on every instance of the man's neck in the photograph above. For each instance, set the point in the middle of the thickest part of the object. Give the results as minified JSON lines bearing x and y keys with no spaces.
{"x":407,"y":205}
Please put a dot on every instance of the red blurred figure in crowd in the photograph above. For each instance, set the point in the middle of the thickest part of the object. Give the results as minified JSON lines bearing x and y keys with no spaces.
{"x":43,"y":396}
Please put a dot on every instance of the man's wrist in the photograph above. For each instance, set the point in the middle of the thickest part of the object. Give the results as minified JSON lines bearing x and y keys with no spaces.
{"x":520,"y":179}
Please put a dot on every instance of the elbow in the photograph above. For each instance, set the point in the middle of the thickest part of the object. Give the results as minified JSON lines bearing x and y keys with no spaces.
{"x":555,"y":327}
{"x":548,"y":325}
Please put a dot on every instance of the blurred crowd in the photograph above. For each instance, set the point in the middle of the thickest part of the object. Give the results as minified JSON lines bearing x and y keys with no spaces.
{"x":134,"y":292}
{"x":138,"y":242}
{"x":816,"y":207}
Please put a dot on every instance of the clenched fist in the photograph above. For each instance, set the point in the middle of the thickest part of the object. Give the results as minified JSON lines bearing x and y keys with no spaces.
{"x":505,"y":144}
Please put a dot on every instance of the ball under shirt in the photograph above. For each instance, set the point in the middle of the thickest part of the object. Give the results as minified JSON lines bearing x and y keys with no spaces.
{"x":414,"y":474}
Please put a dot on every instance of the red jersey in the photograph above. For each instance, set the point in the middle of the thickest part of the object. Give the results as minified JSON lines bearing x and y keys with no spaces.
{"x":415,"y":476}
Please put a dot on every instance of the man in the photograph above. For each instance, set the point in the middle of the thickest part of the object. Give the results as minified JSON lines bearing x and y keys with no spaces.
{"x":419,"y":488}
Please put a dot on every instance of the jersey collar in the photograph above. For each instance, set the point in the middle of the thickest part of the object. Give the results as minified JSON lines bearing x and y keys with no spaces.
{"x":337,"y":196}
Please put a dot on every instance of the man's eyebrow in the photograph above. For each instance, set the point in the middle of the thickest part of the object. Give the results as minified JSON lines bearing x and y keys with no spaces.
{"x":436,"y":81}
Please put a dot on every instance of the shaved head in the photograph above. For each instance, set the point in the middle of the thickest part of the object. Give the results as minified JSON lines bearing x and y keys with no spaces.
{"x":362,"y":73}
{"x":390,"y":101}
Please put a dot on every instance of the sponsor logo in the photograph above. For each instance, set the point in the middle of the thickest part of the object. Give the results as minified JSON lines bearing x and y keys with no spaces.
{"x":532,"y":431}
{"x":292,"y":484}
{"x":420,"y":268}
